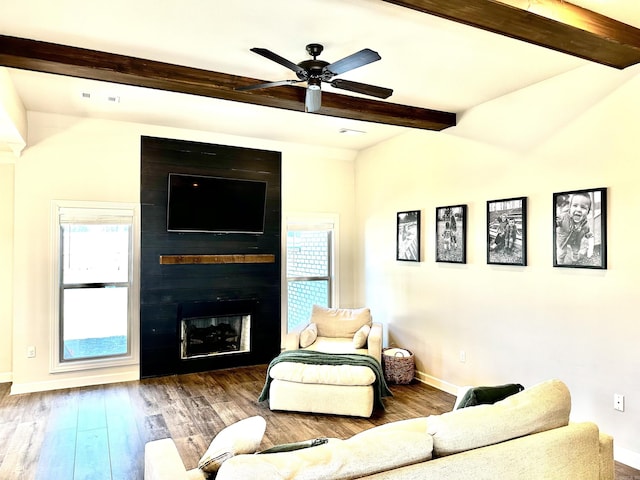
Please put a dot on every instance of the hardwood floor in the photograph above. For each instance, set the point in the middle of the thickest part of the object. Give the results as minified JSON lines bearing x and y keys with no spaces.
{"x":97,"y":433}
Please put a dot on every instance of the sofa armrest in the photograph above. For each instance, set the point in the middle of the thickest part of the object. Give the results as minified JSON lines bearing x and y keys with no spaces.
{"x":607,"y":467}
{"x":162,"y":462}
{"x":374,"y":341}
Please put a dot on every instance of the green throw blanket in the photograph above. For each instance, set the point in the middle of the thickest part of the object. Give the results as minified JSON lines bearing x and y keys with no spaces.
{"x":380,"y":388}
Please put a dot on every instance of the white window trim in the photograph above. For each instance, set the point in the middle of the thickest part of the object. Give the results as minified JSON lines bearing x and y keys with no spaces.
{"x":308,"y":220}
{"x":110,"y":208}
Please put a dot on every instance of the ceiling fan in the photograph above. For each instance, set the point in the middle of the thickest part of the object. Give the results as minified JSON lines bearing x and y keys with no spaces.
{"x":315,"y":71}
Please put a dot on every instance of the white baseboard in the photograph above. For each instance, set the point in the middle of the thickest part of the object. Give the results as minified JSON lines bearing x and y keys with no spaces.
{"x":436,"y":383}
{"x":6,"y":377}
{"x":31,"y":387}
{"x":628,"y":457}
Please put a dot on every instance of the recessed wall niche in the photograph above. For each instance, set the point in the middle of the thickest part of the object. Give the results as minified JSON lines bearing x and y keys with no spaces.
{"x":219,"y":271}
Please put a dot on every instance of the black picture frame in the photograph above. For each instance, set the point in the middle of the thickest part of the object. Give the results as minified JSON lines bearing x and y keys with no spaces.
{"x":408,"y":236}
{"x":507,"y":231}
{"x":580,"y":228}
{"x":451,"y":234}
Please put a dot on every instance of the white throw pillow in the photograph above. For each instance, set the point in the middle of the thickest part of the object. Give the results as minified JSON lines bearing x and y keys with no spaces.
{"x":244,"y":436}
{"x":308,"y":335}
{"x":360,"y":337}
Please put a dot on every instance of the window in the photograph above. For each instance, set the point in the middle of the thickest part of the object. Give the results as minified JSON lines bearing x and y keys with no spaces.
{"x":309,"y":268}
{"x":95,"y":279}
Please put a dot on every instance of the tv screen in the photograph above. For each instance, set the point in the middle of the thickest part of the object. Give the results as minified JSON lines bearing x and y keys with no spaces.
{"x":212,"y":204}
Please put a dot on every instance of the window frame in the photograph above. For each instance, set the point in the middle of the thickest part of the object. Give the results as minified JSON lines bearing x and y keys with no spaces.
{"x":94,"y":211}
{"x":311,"y":221}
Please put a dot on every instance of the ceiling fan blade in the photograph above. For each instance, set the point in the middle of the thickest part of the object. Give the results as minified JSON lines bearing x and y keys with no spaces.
{"x":312,"y":100}
{"x":266,"y":85}
{"x":278,"y":59}
{"x":379,"y":92}
{"x":354,"y":60}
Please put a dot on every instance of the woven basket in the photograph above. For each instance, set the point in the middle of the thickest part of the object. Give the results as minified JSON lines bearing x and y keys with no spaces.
{"x":398,"y":364}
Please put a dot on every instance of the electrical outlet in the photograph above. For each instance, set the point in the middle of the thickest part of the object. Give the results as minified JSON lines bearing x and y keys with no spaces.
{"x":618,"y":402}
{"x":463,"y":356}
{"x":31,"y":351}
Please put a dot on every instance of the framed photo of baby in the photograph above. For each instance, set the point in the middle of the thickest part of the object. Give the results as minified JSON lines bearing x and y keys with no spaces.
{"x":507,"y":231}
{"x":408,"y":236}
{"x":580,"y":228}
{"x":451,"y":234}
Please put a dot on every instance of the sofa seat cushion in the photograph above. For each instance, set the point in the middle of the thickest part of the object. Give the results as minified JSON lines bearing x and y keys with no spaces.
{"x":323,"y":374}
{"x":335,"y":345}
{"x":542,"y":407}
{"x":378,"y":449}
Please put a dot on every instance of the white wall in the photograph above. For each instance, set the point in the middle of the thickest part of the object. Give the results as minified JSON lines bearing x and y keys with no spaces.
{"x":516,"y":324}
{"x":82,"y":159}
{"x":6,"y":271}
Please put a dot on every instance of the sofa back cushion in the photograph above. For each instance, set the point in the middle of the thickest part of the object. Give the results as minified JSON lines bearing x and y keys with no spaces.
{"x":542,"y":407}
{"x":339,"y":322}
{"x":378,"y":449}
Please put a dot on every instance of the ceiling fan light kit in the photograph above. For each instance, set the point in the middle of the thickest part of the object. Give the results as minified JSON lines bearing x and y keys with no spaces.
{"x":315,"y":71}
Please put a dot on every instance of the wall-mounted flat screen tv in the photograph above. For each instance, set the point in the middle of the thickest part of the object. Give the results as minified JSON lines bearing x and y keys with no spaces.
{"x":199,"y":203}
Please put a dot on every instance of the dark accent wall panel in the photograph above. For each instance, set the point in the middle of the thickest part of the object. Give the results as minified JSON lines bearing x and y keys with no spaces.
{"x":164,"y":287}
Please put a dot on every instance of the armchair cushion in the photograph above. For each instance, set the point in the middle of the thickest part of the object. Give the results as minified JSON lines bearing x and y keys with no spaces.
{"x":339,"y":322}
{"x":308,"y":335}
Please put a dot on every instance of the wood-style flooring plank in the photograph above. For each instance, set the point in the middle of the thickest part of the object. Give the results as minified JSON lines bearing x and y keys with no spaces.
{"x":92,"y":455}
{"x":91,"y":411}
{"x":126,"y":448}
{"x":55,"y":460}
{"x":21,"y":458}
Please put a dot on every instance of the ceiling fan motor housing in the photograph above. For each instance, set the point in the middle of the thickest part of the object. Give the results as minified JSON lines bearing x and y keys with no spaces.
{"x":314,"y":69}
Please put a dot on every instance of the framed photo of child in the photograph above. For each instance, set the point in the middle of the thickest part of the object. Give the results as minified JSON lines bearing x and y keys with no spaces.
{"x":507,"y":231}
{"x":451,"y":234}
{"x":408,"y":236}
{"x":580,"y":228}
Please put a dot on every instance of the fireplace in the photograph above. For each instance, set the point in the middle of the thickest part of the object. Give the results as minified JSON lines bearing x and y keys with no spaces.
{"x":214,"y":335}
{"x":210,"y":329}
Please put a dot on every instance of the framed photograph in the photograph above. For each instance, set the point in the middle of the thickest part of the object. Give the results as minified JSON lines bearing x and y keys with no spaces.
{"x":507,"y":231}
{"x":580,"y":228}
{"x":451,"y":234}
{"x":408,"y":236}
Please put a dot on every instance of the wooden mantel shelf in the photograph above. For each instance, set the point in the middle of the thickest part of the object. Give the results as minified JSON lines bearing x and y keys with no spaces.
{"x":215,"y":259}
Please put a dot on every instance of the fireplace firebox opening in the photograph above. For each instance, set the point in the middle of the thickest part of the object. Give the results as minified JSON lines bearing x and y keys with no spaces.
{"x":217,"y":334}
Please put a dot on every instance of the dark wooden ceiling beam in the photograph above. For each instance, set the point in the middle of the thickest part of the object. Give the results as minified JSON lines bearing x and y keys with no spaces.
{"x":58,"y":59}
{"x":577,"y":31}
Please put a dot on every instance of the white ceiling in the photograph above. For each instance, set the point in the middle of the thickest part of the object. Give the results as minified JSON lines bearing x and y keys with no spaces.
{"x":428,"y":62}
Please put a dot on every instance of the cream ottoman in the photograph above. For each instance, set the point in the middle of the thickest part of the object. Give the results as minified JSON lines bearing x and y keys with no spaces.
{"x":334,"y":389}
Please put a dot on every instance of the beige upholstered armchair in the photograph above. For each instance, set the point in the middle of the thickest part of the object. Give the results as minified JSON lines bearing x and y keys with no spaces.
{"x":339,"y":330}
